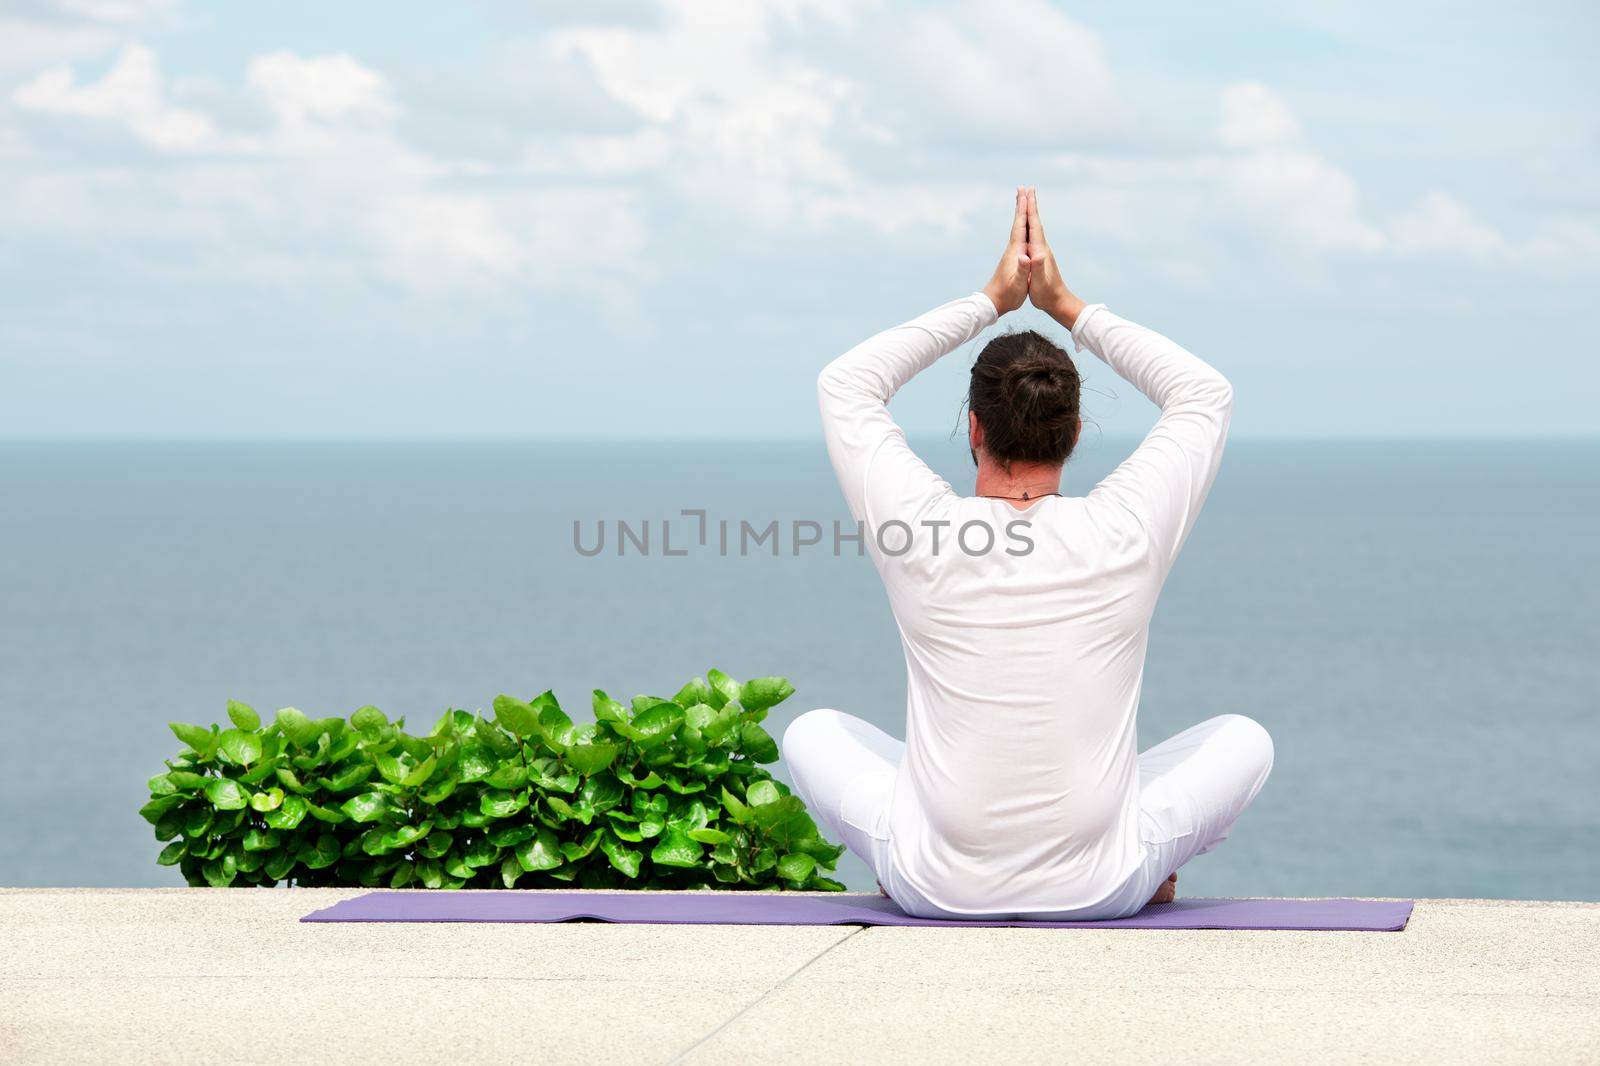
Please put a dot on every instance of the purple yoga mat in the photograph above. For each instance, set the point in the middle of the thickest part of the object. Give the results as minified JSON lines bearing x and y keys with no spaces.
{"x":794,"y":908}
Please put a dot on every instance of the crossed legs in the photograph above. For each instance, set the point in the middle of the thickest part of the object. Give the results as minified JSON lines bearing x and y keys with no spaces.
{"x":1192,"y":788}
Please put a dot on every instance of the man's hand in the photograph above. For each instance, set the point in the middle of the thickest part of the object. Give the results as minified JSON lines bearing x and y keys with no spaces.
{"x":1009,"y":287}
{"x":1046,"y":288}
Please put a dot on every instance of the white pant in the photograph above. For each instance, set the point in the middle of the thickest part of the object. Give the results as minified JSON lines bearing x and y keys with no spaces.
{"x":1192,"y":788}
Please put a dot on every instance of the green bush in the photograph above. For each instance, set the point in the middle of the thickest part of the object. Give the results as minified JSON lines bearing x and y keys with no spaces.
{"x":669,"y":793}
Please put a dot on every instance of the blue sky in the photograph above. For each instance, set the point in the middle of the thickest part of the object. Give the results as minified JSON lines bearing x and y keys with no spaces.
{"x":642,"y":218}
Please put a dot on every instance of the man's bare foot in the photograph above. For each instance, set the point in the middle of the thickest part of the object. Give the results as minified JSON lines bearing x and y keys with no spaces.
{"x":1167,"y":892}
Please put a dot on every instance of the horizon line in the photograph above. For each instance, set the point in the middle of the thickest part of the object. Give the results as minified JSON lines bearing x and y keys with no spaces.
{"x":1265,"y":438}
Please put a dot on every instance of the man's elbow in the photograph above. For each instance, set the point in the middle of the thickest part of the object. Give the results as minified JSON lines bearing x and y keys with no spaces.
{"x":825,"y":378}
{"x":1210,"y":397}
{"x":826,"y":387}
{"x":1222,"y":394}
{"x":834,"y":384}
{"x":1213,"y":390}
{"x":845,"y":384}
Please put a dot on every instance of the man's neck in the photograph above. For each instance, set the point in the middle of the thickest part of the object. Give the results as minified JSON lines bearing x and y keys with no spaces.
{"x":1024,"y":481}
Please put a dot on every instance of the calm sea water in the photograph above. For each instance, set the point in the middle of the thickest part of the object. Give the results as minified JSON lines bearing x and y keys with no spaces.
{"x":1416,"y":624}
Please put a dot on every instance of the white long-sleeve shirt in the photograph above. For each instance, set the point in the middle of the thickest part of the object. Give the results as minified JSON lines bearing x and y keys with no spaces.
{"x":1018,"y":790}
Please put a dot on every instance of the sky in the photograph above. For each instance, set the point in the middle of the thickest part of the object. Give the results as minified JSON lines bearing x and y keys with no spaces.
{"x":631,"y":219}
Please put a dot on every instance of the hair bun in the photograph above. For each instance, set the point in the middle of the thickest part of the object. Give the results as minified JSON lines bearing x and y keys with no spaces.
{"x":1040,"y":387}
{"x":1024,"y":394}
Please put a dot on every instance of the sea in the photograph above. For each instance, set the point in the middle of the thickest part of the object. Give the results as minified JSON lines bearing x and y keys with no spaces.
{"x":1416,"y":623}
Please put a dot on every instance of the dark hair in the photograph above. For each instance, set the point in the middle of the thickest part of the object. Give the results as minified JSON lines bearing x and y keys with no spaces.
{"x":1025,"y":393}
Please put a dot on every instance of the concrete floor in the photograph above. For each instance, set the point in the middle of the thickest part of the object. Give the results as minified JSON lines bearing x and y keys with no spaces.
{"x":203,"y":975}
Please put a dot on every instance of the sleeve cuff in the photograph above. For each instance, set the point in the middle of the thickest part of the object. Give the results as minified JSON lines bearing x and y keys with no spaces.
{"x":986,"y":309}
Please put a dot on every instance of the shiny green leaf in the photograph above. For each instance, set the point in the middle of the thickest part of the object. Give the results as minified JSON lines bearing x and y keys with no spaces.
{"x":244,"y":716}
{"x":201,"y":740}
{"x":724,"y":689}
{"x":509,"y":776}
{"x":554,"y":725}
{"x":541,"y":852}
{"x":695,"y":691}
{"x":502,"y":804}
{"x":390,"y":768}
{"x":369,"y":719}
{"x":420,"y":774}
{"x":477,"y":762}
{"x":300,"y":730}
{"x":225,"y":794}
{"x":796,"y":866}
{"x":436,"y":844}
{"x":656,"y":724}
{"x":516,"y":716}
{"x":350,"y":777}
{"x":289,"y":815}
{"x":676,"y":848}
{"x":592,"y":757}
{"x":623,"y":858}
{"x":239,"y":747}
{"x":607,"y":709}
{"x":269,"y":800}
{"x":367,"y":807}
{"x":757,"y":743}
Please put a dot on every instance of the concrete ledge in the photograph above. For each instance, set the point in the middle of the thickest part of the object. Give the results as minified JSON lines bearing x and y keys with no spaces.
{"x":205,"y":975}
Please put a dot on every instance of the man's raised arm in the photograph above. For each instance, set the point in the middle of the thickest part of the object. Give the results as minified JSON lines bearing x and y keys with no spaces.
{"x":865,"y":444}
{"x":1165,"y":481}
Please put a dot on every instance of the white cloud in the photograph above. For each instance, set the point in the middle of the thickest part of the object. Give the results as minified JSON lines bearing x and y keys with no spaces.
{"x":1284,"y":188}
{"x":708,"y":78}
{"x":734,"y":122}
{"x":600,"y":154}
{"x":427,"y":232}
{"x":332,"y":89}
{"x":1441,"y":224}
{"x":1019,"y":71}
{"x":329,"y":181}
{"x":658,"y":72}
{"x":1263,"y":194}
{"x":115,"y":11}
{"x":37,"y":33}
{"x":1253,"y":116}
{"x":1267,"y":182}
{"x":805,"y":168}
{"x":27,"y":45}
{"x":944,"y":209}
{"x":1304,"y":197}
{"x":737,"y":107}
{"x":1301,"y":193}
{"x":131,"y":92}
{"x":560,"y":238}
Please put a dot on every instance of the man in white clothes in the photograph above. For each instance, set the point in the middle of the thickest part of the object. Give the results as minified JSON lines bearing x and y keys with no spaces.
{"x":1020,"y":790}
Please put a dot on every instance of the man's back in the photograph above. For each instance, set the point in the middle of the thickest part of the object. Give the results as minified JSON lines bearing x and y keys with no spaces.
{"x":1018,"y":789}
{"x":1018,"y":786}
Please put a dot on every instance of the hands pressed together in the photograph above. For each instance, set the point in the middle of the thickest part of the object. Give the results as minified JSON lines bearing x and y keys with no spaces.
{"x":1028,"y":270}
